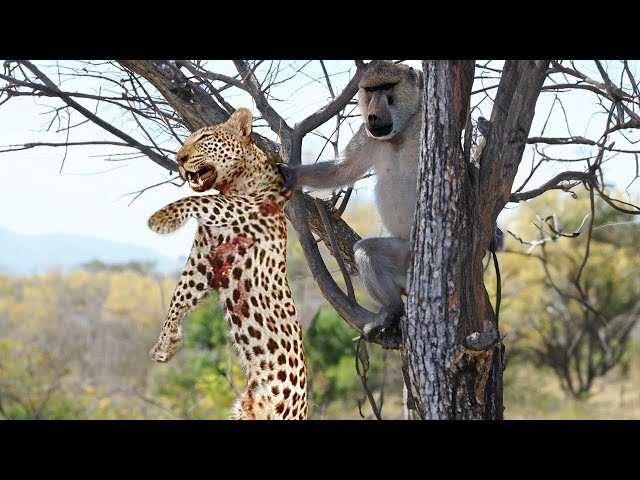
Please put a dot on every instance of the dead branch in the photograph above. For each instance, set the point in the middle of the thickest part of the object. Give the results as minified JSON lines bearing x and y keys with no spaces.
{"x":554,"y":184}
{"x":154,"y":156}
{"x":334,"y":249}
{"x":200,"y":72}
{"x":561,"y":141}
{"x":250,"y":82}
{"x":362,"y":368}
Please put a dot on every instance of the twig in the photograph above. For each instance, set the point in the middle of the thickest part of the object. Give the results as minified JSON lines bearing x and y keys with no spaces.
{"x":140,"y":192}
{"x":343,"y":204}
{"x":498,"y":291}
{"x":316,"y":119}
{"x":154,"y":156}
{"x":611,"y":201}
{"x":552,"y":184}
{"x":250,"y":82}
{"x":588,"y":242}
{"x":27,"y":146}
{"x":533,"y":170}
{"x":362,"y":357}
{"x":334,"y":247}
{"x":326,"y":76}
{"x":561,"y":141}
{"x":201,"y":72}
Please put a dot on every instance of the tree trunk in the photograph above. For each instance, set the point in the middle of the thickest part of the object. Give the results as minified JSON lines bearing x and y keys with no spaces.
{"x":452,"y":353}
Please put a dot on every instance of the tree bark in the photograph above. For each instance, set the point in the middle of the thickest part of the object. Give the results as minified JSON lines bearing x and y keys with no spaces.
{"x":452,"y":353}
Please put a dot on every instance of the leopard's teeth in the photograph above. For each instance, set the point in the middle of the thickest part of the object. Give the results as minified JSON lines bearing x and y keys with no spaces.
{"x":196,"y":181}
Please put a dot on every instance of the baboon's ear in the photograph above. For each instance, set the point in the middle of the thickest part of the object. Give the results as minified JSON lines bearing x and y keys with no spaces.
{"x":241,"y":121}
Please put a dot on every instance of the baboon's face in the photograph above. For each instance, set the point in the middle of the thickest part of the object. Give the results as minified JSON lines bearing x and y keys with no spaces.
{"x":389,"y":95}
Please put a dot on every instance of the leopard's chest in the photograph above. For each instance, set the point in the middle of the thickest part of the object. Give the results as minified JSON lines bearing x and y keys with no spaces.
{"x":253,"y":254}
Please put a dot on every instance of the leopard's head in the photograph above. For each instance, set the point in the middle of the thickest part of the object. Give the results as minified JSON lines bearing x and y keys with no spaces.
{"x":214,"y":157}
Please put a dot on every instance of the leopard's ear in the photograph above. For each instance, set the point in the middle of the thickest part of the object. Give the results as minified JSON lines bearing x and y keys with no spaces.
{"x":241,"y":121}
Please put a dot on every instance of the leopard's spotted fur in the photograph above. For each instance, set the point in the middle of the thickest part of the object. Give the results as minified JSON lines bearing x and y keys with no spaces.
{"x":240,"y":251}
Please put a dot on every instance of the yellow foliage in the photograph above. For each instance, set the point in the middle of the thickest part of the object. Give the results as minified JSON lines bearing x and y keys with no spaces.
{"x":527,"y":294}
{"x":136,"y":296}
{"x":363,"y":218}
{"x":89,"y":390}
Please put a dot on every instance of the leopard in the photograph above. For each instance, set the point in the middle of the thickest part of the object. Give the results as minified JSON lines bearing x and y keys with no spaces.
{"x":239,"y":251}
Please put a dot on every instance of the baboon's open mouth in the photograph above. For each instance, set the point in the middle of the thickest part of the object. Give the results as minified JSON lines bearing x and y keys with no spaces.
{"x":381,"y":131}
{"x":201,"y":180}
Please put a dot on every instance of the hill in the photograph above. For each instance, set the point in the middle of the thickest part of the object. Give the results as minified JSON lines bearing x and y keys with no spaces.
{"x":22,"y":254}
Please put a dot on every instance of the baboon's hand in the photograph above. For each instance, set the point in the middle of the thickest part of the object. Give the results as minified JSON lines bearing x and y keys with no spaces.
{"x":290,"y":176}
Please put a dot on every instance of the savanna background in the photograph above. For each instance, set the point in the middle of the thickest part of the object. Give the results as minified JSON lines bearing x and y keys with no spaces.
{"x":84,"y":288}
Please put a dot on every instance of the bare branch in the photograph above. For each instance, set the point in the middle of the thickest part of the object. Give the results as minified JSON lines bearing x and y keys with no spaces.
{"x":611,"y":89}
{"x":27,"y":146}
{"x":345,"y":201}
{"x":355,"y":315}
{"x":509,"y":119}
{"x":533,"y":170}
{"x":250,"y":82}
{"x":140,"y":192}
{"x":198,"y":72}
{"x":327,"y":79}
{"x":552,"y":223}
{"x":588,"y":243}
{"x":190,"y":101}
{"x":557,"y":67}
{"x":576,"y":86}
{"x":611,"y":202}
{"x":334,"y":249}
{"x":632,"y":80}
{"x":154,"y":156}
{"x":486,"y":89}
{"x":362,"y":359}
{"x":561,"y":141}
{"x":554,"y":184}
{"x":316,"y":119}
{"x":622,"y":126}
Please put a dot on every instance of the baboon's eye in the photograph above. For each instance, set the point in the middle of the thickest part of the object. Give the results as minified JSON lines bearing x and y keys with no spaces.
{"x":384,"y":86}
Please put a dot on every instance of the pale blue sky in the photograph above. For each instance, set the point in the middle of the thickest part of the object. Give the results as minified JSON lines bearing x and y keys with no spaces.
{"x":87,"y":198}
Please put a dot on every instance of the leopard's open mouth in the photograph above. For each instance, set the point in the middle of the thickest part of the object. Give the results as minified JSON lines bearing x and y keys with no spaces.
{"x":201,"y":180}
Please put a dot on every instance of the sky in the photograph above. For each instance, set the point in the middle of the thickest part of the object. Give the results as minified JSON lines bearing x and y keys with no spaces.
{"x":89,"y":195}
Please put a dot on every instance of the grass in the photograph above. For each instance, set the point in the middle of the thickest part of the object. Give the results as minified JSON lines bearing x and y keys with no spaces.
{"x":532,"y":393}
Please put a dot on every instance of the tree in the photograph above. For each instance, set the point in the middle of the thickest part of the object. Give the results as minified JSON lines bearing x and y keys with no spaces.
{"x":576,"y":319}
{"x":451,"y":346}
{"x":456,"y":213}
